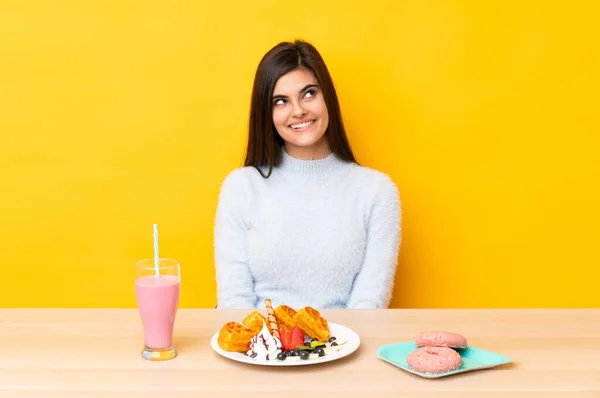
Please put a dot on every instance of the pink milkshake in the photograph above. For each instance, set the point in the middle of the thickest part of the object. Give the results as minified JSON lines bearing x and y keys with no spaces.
{"x":157,"y":300}
{"x":157,"y":295}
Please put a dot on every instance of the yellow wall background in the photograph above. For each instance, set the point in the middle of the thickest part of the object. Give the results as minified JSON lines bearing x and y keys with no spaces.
{"x":118,"y":114}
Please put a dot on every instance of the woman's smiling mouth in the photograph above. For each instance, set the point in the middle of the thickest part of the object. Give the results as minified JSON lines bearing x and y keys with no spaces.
{"x":302,"y":126}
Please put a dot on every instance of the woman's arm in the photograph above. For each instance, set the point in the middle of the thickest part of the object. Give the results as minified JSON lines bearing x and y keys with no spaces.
{"x":235,"y":285}
{"x":373,"y":285}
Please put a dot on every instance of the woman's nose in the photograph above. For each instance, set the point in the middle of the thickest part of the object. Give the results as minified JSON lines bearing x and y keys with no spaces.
{"x":298,"y":110}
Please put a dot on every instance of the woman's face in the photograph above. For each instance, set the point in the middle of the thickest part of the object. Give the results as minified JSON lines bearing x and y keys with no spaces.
{"x":300,"y":114}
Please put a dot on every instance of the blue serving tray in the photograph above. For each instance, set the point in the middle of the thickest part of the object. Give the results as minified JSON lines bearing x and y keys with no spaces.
{"x":473,"y":358}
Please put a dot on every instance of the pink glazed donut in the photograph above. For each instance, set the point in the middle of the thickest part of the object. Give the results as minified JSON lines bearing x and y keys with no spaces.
{"x":434,"y":360}
{"x":440,"y":339}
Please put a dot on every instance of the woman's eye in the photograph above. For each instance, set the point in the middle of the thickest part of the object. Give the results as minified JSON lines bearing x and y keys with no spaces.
{"x":309,"y":94}
{"x":279,"y":102}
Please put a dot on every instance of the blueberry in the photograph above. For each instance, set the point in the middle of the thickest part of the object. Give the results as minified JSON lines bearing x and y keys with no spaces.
{"x":320,"y":351}
{"x":303,"y":355}
{"x":307,"y":343}
{"x":334,"y":344}
{"x":332,"y":339}
{"x":296,"y":352}
{"x":314,"y":339}
{"x":291,"y":353}
{"x":281,"y":356}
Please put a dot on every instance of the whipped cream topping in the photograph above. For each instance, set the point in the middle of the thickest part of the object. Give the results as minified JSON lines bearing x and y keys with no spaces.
{"x":264,"y":345}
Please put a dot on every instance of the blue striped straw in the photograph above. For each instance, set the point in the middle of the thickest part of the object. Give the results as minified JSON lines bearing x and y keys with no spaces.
{"x":156,"y":272}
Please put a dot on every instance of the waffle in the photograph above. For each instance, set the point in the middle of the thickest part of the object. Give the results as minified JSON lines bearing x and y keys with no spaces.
{"x":285,"y":315}
{"x":235,"y":337}
{"x":254,"y":321}
{"x":312,"y":323}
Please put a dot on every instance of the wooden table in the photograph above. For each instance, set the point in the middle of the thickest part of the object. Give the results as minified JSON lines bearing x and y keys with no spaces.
{"x":96,"y":353}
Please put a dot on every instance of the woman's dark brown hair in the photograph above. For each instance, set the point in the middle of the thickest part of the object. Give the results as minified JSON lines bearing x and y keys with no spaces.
{"x":264,"y":143}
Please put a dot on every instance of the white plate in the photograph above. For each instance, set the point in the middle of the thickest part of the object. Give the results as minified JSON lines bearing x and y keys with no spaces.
{"x":341,"y":332}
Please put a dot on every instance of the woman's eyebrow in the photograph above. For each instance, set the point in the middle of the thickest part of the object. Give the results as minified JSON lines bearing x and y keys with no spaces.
{"x":278,"y":96}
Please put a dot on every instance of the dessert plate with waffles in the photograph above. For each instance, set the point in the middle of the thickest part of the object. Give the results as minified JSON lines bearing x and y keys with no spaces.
{"x":285,"y":337}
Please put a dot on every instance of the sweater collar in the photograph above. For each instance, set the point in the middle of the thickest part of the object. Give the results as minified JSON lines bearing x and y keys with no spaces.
{"x":310,"y":170}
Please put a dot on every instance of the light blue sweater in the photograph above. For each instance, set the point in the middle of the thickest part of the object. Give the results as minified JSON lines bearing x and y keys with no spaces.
{"x":324,"y":233}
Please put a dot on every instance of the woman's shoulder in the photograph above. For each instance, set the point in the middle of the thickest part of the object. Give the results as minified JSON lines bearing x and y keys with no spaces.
{"x":365,"y":175}
{"x":376,"y":187}
{"x":241,"y":178}
{"x":241,"y":175}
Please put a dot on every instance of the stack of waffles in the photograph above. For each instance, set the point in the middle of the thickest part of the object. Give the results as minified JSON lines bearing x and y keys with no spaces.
{"x":236,"y":337}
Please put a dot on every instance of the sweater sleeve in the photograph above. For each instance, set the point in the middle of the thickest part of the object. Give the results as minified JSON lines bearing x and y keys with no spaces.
{"x":373,"y":284}
{"x":235,"y":284}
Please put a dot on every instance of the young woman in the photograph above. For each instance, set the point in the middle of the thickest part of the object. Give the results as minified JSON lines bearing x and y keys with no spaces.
{"x":302,"y":223}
